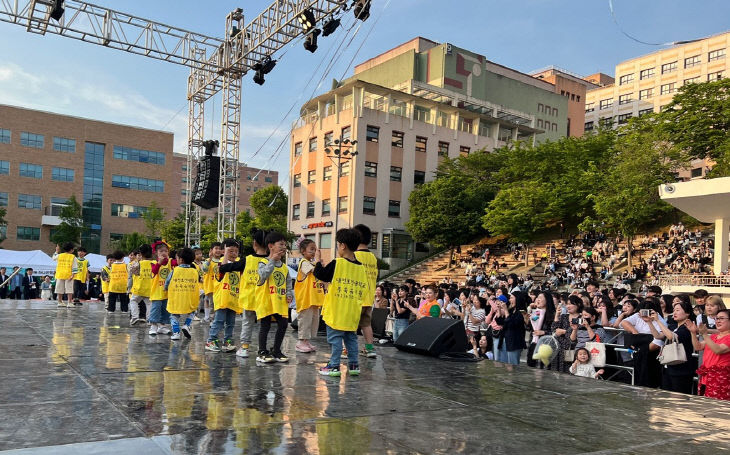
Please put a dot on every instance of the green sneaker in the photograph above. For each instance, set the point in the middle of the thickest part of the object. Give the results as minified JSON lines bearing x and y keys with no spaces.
{"x":330,"y":371}
{"x":213,"y":346}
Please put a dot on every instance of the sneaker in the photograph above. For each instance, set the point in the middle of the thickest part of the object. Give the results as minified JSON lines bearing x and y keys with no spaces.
{"x":175,"y":336}
{"x":302,"y":347}
{"x":264,"y":357}
{"x":153,"y":329}
{"x":186,"y":331}
{"x":228,"y":346}
{"x":163,"y":330}
{"x":77,"y":302}
{"x":61,"y":304}
{"x":142,"y":319}
{"x":196,"y":318}
{"x":242,"y":352}
{"x":370,"y":354}
{"x":353,"y":369}
{"x":279,"y":356}
{"x":330,"y":371}
{"x":213,"y":346}
{"x":133,"y":321}
{"x":311,"y":347}
{"x":69,"y":305}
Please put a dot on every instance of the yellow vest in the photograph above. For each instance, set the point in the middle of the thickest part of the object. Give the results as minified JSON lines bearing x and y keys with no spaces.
{"x":118,"y":278}
{"x":226,"y":293}
{"x":345,"y":296}
{"x":371,"y":269}
{"x":271,"y":295}
{"x":142,"y":283}
{"x":158,"y":282}
{"x":64,"y":266}
{"x":105,"y":284}
{"x":308,"y":292}
{"x":83,"y":272}
{"x":249,"y":279}
{"x":209,"y":282}
{"x":182,"y":294}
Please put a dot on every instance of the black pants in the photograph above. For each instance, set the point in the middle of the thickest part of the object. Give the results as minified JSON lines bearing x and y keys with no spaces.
{"x":15,"y":294}
{"x":681,"y":384}
{"x":79,"y":290}
{"x":281,"y":322}
{"x":123,"y":302}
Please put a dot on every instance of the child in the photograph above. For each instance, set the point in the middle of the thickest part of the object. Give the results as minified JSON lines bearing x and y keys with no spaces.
{"x":343,"y":303}
{"x":46,"y":288}
{"x":118,"y":284}
{"x":106,"y":272}
{"x":159,"y":317}
{"x":273,"y":295}
{"x":141,"y":288}
{"x":370,"y":262}
{"x":183,"y":294}
{"x":249,"y":268}
{"x":226,"y":302}
{"x":309,"y":295}
{"x":65,"y":270}
{"x":81,"y":277}
{"x":583,"y":366}
{"x":209,"y":281}
{"x":198,"y":263}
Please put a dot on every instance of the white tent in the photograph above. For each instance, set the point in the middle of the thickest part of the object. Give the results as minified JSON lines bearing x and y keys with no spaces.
{"x":40,"y":262}
{"x":97,"y":261}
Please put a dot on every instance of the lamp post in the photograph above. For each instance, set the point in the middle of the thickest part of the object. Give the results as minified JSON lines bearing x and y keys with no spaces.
{"x":340,"y":151}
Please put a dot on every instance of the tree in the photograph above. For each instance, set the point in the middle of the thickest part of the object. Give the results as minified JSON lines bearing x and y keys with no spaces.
{"x":270,"y":206}
{"x":173,"y":230}
{"x":130,"y":242}
{"x":72,"y":223}
{"x":154,"y":218}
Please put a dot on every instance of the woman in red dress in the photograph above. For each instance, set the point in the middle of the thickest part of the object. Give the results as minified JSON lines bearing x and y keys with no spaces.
{"x":714,"y":372}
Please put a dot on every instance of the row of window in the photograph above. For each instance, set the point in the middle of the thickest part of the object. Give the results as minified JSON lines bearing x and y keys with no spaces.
{"x":368,"y":207}
{"x":128,"y":211}
{"x":621,"y":119}
{"x":371,"y":170}
{"x":141,"y":156}
{"x":689,"y":62}
{"x":138,"y":183}
{"x":35,"y":171}
{"x":572,"y":96}
{"x":546,"y":109}
{"x":548,"y":126}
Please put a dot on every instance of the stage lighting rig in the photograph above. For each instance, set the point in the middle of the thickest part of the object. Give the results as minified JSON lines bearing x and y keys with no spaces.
{"x":57,"y":10}
{"x":362,"y":9}
{"x":211,"y":147}
{"x":310,"y":43}
{"x":263,"y":67}
{"x":306,"y":19}
{"x":330,"y":27}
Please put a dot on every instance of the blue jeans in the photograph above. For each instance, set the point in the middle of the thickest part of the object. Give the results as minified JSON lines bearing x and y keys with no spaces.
{"x":334,"y":338}
{"x":223,"y":317}
{"x":178,"y":320}
{"x":500,"y":355}
{"x":513,"y":357}
{"x":400,"y":326}
{"x":158,"y":312}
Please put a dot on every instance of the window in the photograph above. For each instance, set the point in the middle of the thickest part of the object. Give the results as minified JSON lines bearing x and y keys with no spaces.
{"x":588,"y":126}
{"x":590,"y":107}
{"x":31,"y":140}
{"x":373,"y":134}
{"x":540,"y":123}
{"x":325,"y":207}
{"x":311,"y":177}
{"x":373,"y":241}
{"x":646,"y":93}
{"x":691,"y":80}
{"x":141,"y":156}
{"x":325,"y":241}
{"x":4,"y":167}
{"x":368,"y":205}
{"x":397,"y":139}
{"x":342,"y":202}
{"x":646,"y":111}
{"x":717,"y":54}
{"x":346,"y":133}
{"x":328,"y":139}
{"x":268,"y":179}
{"x":34,"y":171}
{"x":647,"y":73}
{"x":626,"y":78}
{"x":419,"y":177}
{"x":689,"y":62}
{"x":115,"y":237}
{"x":396,"y":173}
{"x":4,"y":136}
{"x":394,"y":208}
{"x":298,"y":149}
{"x":605,"y":104}
{"x":623,"y":118}
{"x":345,"y":169}
{"x":327,"y":173}
{"x":62,"y":144}
{"x":443,"y":148}
{"x":29,"y":201}
{"x":606,"y":121}
{"x":295,"y":209}
{"x":313,"y":145}
{"x":3,"y":199}
{"x":371,"y":169}
{"x":555,"y":112}
{"x":464,"y":150}
{"x":625,"y":99}
{"x":669,"y":67}
{"x":696,"y":172}
{"x":297,"y":180}
{"x":62,"y":174}
{"x":128,"y":211}
{"x":668,"y":88}
{"x":138,"y":183}
{"x":310,"y":209}
{"x":716,"y":76}
{"x":421,"y":143}
{"x":29,"y":233}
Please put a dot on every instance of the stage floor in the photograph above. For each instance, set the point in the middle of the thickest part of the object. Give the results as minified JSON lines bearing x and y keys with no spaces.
{"x":79,"y":381}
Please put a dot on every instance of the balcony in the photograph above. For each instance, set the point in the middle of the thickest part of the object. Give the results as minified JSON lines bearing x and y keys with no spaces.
{"x":52,"y":215}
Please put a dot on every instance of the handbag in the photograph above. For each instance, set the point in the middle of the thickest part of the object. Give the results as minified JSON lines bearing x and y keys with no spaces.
{"x":569,"y":355}
{"x":672,"y":352}
{"x":389,"y":325}
{"x":598,"y":353}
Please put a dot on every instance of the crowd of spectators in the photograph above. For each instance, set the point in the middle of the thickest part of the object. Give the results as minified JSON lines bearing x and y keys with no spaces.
{"x":25,"y":285}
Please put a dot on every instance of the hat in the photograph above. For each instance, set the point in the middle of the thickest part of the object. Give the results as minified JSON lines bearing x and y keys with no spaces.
{"x":503,"y":298}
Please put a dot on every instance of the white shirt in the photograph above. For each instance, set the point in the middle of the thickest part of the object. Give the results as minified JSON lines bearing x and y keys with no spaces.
{"x":642,"y":327}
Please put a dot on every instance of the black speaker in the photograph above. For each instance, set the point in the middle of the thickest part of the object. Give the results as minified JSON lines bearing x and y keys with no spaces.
{"x":207,"y":180}
{"x":377,"y":322}
{"x":433,"y":336}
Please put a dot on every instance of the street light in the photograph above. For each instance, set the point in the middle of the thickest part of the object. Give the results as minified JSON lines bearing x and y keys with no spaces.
{"x":342,"y":152}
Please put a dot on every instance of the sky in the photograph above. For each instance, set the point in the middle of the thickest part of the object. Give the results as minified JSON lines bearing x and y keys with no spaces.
{"x":66,"y":76}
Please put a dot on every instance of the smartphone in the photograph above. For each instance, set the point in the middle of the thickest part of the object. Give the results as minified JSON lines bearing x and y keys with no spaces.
{"x":645,"y":313}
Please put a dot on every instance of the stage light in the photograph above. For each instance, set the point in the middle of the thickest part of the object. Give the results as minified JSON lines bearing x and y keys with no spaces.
{"x":362,"y":10}
{"x":330,"y":27}
{"x":235,"y":31}
{"x":211,"y":147}
{"x":310,"y":43}
{"x":259,"y":78}
{"x":306,"y":19}
{"x":266,"y":65}
{"x":57,"y":10}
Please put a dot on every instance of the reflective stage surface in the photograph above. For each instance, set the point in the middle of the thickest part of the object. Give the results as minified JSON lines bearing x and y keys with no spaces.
{"x":80,"y":381}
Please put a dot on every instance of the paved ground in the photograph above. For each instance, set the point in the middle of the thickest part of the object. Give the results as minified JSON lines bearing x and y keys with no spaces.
{"x":78,"y":381}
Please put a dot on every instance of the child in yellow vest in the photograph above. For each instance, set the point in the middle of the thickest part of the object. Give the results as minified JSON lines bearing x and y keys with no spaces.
{"x":106,"y":272}
{"x":209,"y":281}
{"x":370,"y":262}
{"x":141,"y":273}
{"x":198,"y":263}
{"x":80,"y":279}
{"x":349,"y":286}
{"x":118,"y":284}
{"x":183,"y":293}
{"x":159,"y":317}
{"x":309,"y":295}
{"x":66,"y":268}
{"x":226,"y":302}
{"x":273,"y":295}
{"x":249,"y":269}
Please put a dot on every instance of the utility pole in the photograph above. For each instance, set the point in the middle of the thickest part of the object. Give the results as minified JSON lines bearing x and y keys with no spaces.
{"x":340,"y":151}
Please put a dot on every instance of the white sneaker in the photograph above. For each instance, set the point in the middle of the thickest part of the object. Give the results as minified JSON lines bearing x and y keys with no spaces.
{"x":61,"y":304}
{"x":69,"y":305}
{"x":242,"y":352}
{"x":153,"y":329}
{"x":175,"y":336}
{"x":186,"y":331}
{"x":133,"y":321}
{"x":163,"y":330}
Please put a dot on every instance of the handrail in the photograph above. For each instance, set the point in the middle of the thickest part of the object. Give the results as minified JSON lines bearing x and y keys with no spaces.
{"x":694,"y":280}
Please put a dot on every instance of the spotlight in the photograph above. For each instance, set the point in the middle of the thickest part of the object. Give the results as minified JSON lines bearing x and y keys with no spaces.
{"x":311,"y":42}
{"x":235,"y":31}
{"x":211,"y":147}
{"x":57,"y":10}
{"x":259,"y":77}
{"x":330,"y":27}
{"x":362,"y":10}
{"x":306,"y":19}
{"x":265,"y":65}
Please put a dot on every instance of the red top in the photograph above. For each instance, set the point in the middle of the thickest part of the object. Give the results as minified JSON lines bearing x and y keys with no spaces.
{"x":710,"y":359}
{"x":156,"y":265}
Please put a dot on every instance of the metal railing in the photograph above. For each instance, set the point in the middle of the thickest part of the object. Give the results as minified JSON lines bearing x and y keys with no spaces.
{"x":694,"y":280}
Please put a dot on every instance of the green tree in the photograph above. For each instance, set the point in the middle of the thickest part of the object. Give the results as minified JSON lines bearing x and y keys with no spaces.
{"x":129,"y":242}
{"x":270,"y":209}
{"x":72,"y":223}
{"x":154,"y":218}
{"x":173,"y":230}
